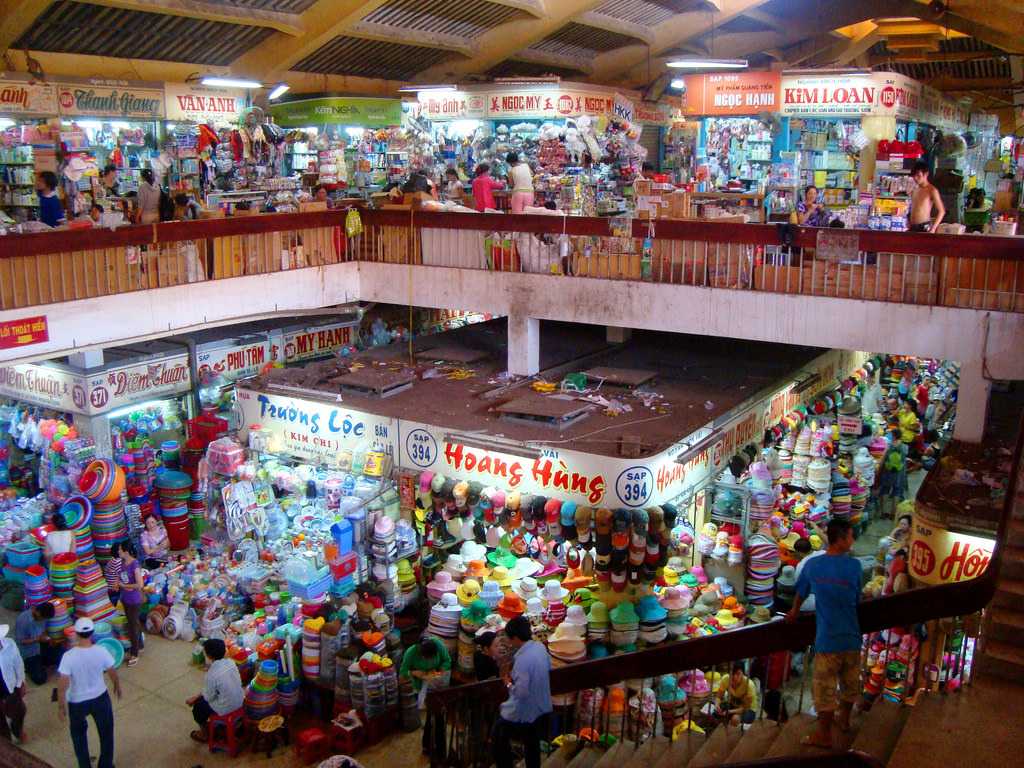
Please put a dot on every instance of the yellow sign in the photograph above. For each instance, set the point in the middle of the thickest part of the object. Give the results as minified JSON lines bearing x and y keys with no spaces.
{"x":940,"y":556}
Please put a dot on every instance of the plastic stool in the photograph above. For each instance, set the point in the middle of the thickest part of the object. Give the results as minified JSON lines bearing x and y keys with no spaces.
{"x":312,"y":744}
{"x":347,"y":737}
{"x":233,"y":726}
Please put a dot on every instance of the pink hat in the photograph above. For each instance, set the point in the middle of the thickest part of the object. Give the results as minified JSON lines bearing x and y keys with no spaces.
{"x":698,"y":572}
{"x":441,"y":583}
{"x":425,"y":479}
{"x":498,"y":501}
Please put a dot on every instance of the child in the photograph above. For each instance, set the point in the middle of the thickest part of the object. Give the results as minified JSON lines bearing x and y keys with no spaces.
{"x":452,"y":185}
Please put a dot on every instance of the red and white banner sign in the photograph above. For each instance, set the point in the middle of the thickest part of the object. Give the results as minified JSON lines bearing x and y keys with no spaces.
{"x":829,"y":95}
{"x":150,"y":380}
{"x":452,"y":106}
{"x":203,"y":104}
{"x":549,"y":104}
{"x":234,"y":361}
{"x":20,"y":96}
{"x":322,"y":341}
{"x":44,"y":385}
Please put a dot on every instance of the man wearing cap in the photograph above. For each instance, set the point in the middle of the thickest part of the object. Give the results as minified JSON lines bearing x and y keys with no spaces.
{"x":12,"y":687}
{"x":529,"y":697}
{"x":82,"y":692}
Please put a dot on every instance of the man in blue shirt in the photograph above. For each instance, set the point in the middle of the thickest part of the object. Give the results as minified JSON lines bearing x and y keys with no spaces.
{"x":51,"y":212}
{"x":529,"y":697}
{"x":835,"y":581}
{"x":29,"y":632}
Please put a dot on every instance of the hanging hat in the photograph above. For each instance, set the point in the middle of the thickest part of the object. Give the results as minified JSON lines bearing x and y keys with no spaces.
{"x":470,"y":550}
{"x":525,"y":566}
{"x":526,"y":588}
{"x":437,"y":483}
{"x":502,"y":556}
{"x":467,"y":591}
{"x":583,"y":597}
{"x":502,"y":576}
{"x":534,"y":607}
{"x":498,"y":501}
{"x":455,"y":566}
{"x":554,"y":592}
{"x":575,"y":615}
{"x":495,"y":533}
{"x":510,"y":606}
{"x":477,"y":570}
{"x":675,"y":599}
{"x":425,"y":479}
{"x":670,"y":576}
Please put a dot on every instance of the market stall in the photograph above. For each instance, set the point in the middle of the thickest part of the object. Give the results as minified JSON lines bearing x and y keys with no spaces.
{"x":28,"y":143}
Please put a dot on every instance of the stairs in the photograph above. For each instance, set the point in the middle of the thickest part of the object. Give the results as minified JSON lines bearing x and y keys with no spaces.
{"x":979,"y":725}
{"x":1002,"y":649}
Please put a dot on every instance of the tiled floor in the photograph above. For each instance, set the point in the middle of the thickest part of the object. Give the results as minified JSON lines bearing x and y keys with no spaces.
{"x":152,"y":722}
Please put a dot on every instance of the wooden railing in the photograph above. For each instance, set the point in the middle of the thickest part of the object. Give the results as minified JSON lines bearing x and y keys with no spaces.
{"x":969,"y":271}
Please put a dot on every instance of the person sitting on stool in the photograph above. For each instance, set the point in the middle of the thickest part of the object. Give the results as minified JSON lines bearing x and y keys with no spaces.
{"x":222,"y":693}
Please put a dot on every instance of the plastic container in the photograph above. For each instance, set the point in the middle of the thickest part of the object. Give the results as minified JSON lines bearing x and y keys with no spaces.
{"x":342,"y":533}
{"x":225,"y":456}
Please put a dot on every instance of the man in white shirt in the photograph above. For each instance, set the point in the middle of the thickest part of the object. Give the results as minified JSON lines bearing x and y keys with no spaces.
{"x":12,"y":687}
{"x":83,"y":692}
{"x":222,"y":693}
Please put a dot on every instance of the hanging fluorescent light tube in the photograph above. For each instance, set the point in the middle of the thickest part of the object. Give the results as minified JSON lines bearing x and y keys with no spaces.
{"x":279,"y":90}
{"x":678,"y":83}
{"x":431,"y":88}
{"x":230,"y":82}
{"x":708,"y":64}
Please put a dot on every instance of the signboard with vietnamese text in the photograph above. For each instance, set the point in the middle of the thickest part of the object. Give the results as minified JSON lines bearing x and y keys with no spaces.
{"x":322,"y":341}
{"x":341,"y":110}
{"x":124,"y":99}
{"x":652,"y":113}
{"x":940,"y":556}
{"x":549,"y":104}
{"x":452,"y":106}
{"x":236,"y":360}
{"x":149,"y":380}
{"x":204,"y":104}
{"x":23,"y":332}
{"x":829,"y":95}
{"x":315,"y":431}
{"x":898,"y":95}
{"x":20,"y":95}
{"x":734,"y":93}
{"x":44,"y":385}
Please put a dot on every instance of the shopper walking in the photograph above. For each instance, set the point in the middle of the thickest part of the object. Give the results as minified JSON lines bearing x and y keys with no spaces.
{"x":30,"y":635}
{"x":835,"y":581}
{"x":12,"y":688}
{"x":82,"y":693}
{"x":131,"y":597}
{"x":521,"y":177}
{"x":529,"y":697}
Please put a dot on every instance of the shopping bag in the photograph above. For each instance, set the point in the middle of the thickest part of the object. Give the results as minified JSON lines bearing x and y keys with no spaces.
{"x":353,"y":223}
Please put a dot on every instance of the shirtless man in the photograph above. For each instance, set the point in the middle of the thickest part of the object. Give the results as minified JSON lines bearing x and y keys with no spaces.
{"x":926,"y":208}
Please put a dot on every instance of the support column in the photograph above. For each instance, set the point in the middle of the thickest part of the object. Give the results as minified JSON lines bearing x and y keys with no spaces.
{"x":93,"y":358}
{"x":523,"y":345}
{"x":615,"y":335}
{"x":972,"y":403}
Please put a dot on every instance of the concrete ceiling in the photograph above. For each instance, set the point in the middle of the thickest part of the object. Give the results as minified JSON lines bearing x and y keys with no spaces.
{"x":371,"y":46}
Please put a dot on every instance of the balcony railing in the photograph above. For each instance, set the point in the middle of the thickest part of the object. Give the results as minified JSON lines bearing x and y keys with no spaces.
{"x":968,"y":271}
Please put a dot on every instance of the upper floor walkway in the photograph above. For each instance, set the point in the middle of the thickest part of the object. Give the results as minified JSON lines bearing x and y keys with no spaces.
{"x":955,"y":297}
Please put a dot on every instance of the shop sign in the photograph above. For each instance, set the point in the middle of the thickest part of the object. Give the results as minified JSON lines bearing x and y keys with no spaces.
{"x":736,"y":93}
{"x":23,"y":332}
{"x":549,"y":104}
{"x":940,"y":556}
{"x":816,"y":95}
{"x":624,"y":109}
{"x":346,"y":110}
{"x":310,"y":343}
{"x":148,"y":380}
{"x":315,"y":431}
{"x":235,"y":361}
{"x":649,"y":113}
{"x":939,"y":111}
{"x":110,"y":98}
{"x":203,"y":104}
{"x":452,"y":106}
{"x":23,"y":97}
{"x":45,"y":386}
{"x":898,"y":95}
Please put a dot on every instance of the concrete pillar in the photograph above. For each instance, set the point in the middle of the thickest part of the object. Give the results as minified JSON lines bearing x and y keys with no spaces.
{"x":616,"y":335}
{"x":93,"y":358}
{"x":523,"y":345}
{"x":972,"y":403}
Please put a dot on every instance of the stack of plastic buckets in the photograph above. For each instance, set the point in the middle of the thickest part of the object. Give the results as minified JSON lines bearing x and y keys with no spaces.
{"x":175,"y":488}
{"x":62,"y":574}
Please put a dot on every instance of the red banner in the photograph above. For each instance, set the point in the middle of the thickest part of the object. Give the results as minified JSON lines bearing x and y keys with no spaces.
{"x":733,"y":93}
{"x":24,"y":332}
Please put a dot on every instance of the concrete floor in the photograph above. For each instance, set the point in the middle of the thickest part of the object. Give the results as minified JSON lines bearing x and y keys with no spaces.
{"x":152,"y":722}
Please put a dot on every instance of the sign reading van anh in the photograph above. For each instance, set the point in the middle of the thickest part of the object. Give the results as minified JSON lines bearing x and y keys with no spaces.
{"x":193,"y":103}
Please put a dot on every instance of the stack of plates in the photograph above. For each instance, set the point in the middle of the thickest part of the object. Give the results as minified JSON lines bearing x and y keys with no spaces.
{"x":261,"y":695}
{"x":90,"y":592}
{"x":62,"y":574}
{"x":311,"y":648}
{"x":37,"y":586}
{"x":374,"y":695}
{"x":61,"y":620}
{"x":288,"y":695}
{"x":109,"y":525}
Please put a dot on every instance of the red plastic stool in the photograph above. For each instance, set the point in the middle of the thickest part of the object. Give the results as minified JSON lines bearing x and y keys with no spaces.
{"x":312,"y":745}
{"x":233,"y":727}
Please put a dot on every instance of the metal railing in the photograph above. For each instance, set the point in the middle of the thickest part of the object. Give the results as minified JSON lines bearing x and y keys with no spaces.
{"x":969,"y":271}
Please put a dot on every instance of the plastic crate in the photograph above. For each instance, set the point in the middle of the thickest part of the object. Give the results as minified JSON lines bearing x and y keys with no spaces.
{"x":313,"y":589}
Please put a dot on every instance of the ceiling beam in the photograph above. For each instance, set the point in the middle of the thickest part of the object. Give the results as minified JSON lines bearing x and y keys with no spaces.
{"x":387,"y":33}
{"x":557,"y":60}
{"x":947,"y":83}
{"x":322,"y":22}
{"x":533,"y":7}
{"x":763,"y":17}
{"x":844,"y":53}
{"x":16,"y":16}
{"x":938,"y":57}
{"x":508,"y":40}
{"x":288,"y":23}
{"x":1010,"y":40}
{"x":611,"y":24}
{"x":628,"y":63}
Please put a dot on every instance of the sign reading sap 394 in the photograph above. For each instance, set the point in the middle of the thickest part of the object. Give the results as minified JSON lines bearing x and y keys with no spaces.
{"x":314,"y":430}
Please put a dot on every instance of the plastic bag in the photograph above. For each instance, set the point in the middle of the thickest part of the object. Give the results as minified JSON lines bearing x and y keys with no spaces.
{"x":353,"y":223}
